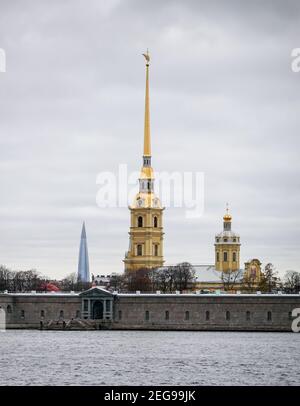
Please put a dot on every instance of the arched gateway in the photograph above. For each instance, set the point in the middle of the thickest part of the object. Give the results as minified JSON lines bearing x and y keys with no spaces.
{"x":97,"y":304}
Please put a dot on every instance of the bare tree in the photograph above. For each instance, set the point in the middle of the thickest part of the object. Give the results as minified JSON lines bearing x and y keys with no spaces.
{"x":269,"y":279}
{"x":137,"y":280}
{"x":5,"y":278}
{"x":249,"y":283}
{"x":230,"y":278}
{"x":292,"y":282}
{"x":184,"y":276}
{"x":117,"y":282}
{"x":171,"y":278}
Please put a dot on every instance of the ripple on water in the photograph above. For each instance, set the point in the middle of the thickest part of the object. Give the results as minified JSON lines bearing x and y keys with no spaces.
{"x":148,"y":358}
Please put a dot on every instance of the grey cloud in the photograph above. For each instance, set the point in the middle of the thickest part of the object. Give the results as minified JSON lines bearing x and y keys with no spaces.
{"x":223,"y":101}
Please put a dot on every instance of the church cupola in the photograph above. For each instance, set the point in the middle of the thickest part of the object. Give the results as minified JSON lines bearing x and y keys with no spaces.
{"x":227,"y":247}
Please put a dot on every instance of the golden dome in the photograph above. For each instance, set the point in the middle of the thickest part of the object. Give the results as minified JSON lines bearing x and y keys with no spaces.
{"x":227,"y":216}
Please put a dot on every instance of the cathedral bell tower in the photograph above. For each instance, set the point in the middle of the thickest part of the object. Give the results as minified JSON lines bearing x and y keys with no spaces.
{"x":227,"y":247}
{"x":146,"y":213}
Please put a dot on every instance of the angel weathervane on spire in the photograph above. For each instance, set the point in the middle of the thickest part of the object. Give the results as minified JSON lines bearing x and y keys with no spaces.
{"x":147,"y":57}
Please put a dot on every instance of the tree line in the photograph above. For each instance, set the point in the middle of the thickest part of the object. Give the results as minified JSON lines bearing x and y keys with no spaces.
{"x":32,"y":280}
{"x":169,"y":279}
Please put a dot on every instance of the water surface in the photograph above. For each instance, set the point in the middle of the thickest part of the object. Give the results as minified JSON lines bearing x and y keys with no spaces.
{"x":148,"y":358}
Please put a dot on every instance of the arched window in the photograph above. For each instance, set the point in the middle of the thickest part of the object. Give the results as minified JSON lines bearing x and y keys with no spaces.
{"x":140,"y":221}
{"x":167,"y":315}
{"x":248,"y":315}
{"x":187,"y":315}
{"x":234,"y":257}
{"x":139,"y":250}
{"x":120,"y":315}
{"x":9,"y":309}
{"x":290,"y":316}
{"x":225,"y":256}
{"x":269,"y":316}
{"x":22,"y":314}
{"x":155,"y":222}
{"x":207,"y":315}
{"x":218,"y":257}
{"x":61,"y":314}
{"x":42,"y":313}
{"x":77,"y":314}
{"x":227,"y":315}
{"x":147,"y":315}
{"x":149,"y":185}
{"x":155,"y":250}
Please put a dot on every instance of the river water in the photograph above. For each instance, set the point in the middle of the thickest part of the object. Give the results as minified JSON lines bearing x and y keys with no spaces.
{"x":148,"y":358}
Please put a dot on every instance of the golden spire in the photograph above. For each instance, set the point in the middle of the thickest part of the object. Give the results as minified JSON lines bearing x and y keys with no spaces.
{"x":147,"y":140}
{"x":227,"y":216}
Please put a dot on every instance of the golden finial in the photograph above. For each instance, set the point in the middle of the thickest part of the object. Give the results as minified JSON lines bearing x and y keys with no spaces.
{"x":227,"y":216}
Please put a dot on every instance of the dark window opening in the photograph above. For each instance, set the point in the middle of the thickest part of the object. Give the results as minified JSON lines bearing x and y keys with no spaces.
{"x":120,"y":315}
{"x":167,"y":315}
{"x":155,"y":221}
{"x":139,"y":250}
{"x":248,"y":315}
{"x":269,"y":316}
{"x":187,"y":315}
{"x":207,"y":315}
{"x":140,"y":221}
{"x":227,"y":315}
{"x":225,"y":256}
{"x":42,"y":313}
{"x":147,"y":315}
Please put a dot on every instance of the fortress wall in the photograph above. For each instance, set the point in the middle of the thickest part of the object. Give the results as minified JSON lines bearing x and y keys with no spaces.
{"x":133,"y":310}
{"x":34,"y":304}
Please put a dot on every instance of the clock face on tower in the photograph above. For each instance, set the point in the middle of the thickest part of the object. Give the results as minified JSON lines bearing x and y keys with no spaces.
{"x":140,"y":202}
{"x":155,"y":202}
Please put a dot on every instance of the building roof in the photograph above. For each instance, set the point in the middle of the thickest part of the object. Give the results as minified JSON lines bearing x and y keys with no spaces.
{"x":208,"y":273}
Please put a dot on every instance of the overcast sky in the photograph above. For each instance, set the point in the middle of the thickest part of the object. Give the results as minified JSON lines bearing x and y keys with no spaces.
{"x":224,"y":101}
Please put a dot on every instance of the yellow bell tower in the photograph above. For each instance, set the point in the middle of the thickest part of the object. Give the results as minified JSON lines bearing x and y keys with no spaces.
{"x":146,"y":213}
{"x":227,"y":247}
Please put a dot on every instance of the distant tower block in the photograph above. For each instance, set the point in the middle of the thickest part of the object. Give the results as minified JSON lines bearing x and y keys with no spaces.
{"x":83,"y":262}
{"x":146,"y":212}
{"x":227,"y":247}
